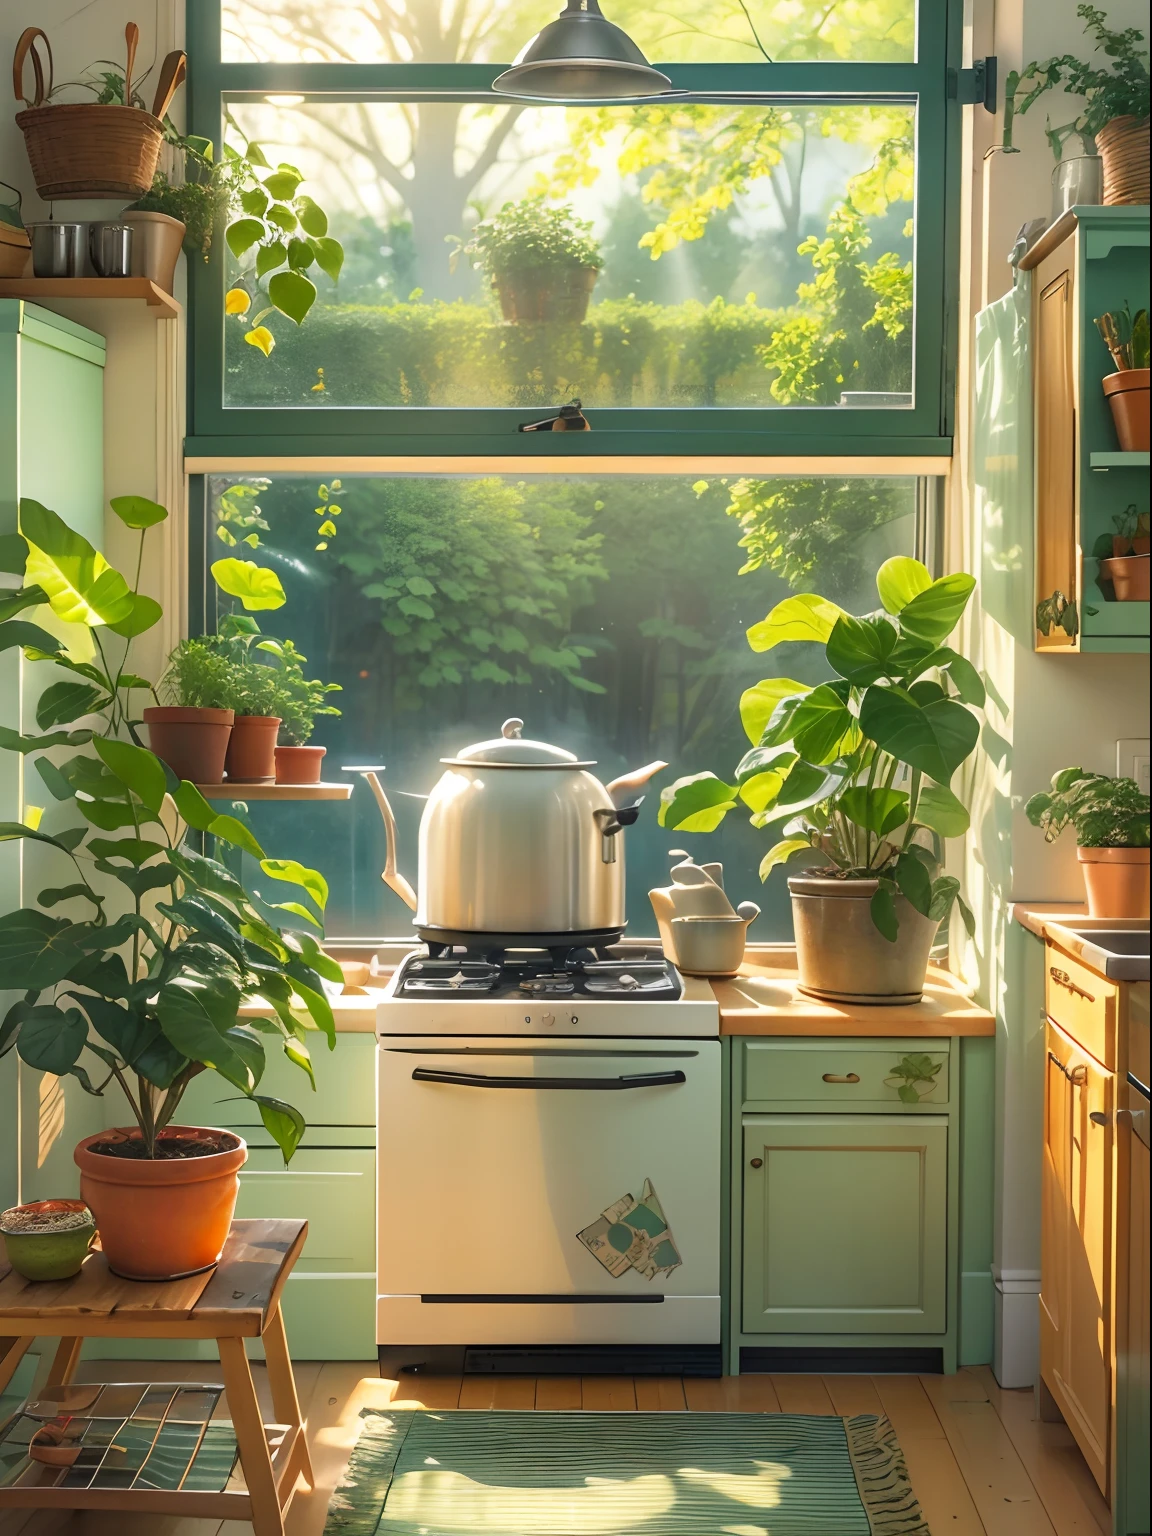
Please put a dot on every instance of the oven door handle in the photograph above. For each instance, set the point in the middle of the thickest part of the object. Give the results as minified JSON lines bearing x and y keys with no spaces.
{"x":582,"y":1084}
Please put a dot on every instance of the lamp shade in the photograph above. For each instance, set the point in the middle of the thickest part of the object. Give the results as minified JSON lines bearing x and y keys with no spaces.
{"x":581,"y":56}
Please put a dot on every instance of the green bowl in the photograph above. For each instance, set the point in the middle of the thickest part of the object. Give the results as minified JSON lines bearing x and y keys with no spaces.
{"x":50,"y":1255}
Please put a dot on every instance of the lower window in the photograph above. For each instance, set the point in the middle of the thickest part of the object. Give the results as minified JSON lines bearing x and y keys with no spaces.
{"x":609,"y":613}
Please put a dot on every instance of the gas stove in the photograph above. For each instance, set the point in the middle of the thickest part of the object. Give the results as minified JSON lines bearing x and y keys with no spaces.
{"x":614,"y":989}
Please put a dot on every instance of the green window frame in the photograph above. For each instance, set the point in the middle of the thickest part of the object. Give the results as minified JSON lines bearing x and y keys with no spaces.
{"x":931,"y":84}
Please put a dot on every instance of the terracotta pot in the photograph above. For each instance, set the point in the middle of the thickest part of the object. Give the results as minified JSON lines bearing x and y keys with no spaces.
{"x":546,"y":293}
{"x":1116,"y":880}
{"x":193,"y":742}
{"x":1129,"y":576}
{"x":1123,"y":146}
{"x":252,"y":749}
{"x":162,"y":1219}
{"x":1127,"y":396}
{"x":156,"y":243}
{"x":840,"y":953}
{"x":299,"y":765}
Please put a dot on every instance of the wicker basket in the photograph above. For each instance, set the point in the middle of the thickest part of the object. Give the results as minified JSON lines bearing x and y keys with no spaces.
{"x":1123,"y":146}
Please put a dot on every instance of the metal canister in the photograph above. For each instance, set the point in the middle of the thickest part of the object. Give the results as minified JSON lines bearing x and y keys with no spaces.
{"x":110,"y":247}
{"x":58,"y":250}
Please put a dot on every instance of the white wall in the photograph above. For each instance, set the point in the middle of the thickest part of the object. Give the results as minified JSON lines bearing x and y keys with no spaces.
{"x":1044,"y":712}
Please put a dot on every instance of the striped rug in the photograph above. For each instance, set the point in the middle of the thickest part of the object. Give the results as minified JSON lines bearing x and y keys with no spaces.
{"x":423,"y":1472}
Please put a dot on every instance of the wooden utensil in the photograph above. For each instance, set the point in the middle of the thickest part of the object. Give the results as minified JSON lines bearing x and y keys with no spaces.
{"x":172,"y":73}
{"x":132,"y":38}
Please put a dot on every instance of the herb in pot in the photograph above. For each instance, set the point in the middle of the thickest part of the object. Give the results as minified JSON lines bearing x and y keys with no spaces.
{"x":1110,"y":819}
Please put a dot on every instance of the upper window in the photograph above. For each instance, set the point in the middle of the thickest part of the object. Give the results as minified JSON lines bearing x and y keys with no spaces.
{"x":764,"y":254}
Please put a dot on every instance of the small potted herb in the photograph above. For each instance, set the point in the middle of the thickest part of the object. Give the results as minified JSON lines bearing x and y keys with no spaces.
{"x":260,"y":700}
{"x":1123,"y":556}
{"x":1110,"y":819}
{"x":48,"y":1239}
{"x":1126,"y":337}
{"x":542,"y":261}
{"x":1115,"y":92}
{"x":192,"y":730}
{"x":856,"y":772}
{"x":303,"y":701}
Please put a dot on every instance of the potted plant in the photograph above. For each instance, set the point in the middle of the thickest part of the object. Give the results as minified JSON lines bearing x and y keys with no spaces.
{"x":1126,"y":337}
{"x":1123,"y":556}
{"x":261,"y":702}
{"x":105,"y":148}
{"x":1116,"y":102}
{"x":1110,"y":819}
{"x":542,"y":261}
{"x":48,"y":1239}
{"x":857,"y":770}
{"x":132,"y":969}
{"x":302,"y":702}
{"x":191,"y":733}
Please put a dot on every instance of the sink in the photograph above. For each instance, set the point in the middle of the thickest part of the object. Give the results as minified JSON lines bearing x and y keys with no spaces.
{"x":1120,"y":953}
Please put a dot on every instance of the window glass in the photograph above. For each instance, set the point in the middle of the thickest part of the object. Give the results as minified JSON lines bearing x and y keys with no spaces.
{"x":608,"y":613}
{"x":478,"y":31}
{"x":676,"y":255}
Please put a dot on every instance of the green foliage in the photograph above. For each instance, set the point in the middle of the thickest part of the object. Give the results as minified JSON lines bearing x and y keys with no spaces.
{"x":914,"y":1077}
{"x":1104,"y":812}
{"x":199,"y":676}
{"x":1116,"y":89}
{"x":1126,"y":336}
{"x":858,"y":769}
{"x":300,"y":700}
{"x":1058,"y":612}
{"x":199,"y":205}
{"x":530,"y":236}
{"x":152,"y":994}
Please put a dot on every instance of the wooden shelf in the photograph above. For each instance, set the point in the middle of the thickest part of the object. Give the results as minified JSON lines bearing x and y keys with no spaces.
{"x":275,"y":791}
{"x":46,"y":288}
{"x":1118,"y":460}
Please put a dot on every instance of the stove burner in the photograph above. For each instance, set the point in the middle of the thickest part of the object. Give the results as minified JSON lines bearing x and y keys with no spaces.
{"x":603,"y":972}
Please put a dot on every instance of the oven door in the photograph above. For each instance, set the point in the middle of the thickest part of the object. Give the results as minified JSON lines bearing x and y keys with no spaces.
{"x":495,"y":1154}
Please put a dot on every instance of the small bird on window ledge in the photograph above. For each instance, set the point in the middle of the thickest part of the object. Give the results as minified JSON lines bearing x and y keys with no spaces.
{"x":570,"y":419}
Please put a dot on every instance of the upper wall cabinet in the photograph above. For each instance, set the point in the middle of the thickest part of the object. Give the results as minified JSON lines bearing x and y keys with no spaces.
{"x":1090,"y":261}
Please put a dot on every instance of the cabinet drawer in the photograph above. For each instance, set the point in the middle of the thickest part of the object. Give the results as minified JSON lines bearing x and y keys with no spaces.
{"x":1082,"y":1003}
{"x":335,"y":1192}
{"x":842,"y":1074}
{"x":345,"y":1092}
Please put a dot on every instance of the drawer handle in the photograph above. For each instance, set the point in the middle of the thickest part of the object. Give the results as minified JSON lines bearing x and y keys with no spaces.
{"x":757,"y":1162}
{"x":835,"y":1077}
{"x":1077,"y":1075}
{"x":1062,"y":979}
{"x":1097,"y":1117}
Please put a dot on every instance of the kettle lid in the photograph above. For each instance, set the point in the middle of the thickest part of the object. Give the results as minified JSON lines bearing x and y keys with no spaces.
{"x":510,"y":750}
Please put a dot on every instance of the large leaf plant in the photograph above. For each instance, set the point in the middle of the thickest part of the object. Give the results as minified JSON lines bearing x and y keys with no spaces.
{"x":142,"y":982}
{"x":856,"y":772}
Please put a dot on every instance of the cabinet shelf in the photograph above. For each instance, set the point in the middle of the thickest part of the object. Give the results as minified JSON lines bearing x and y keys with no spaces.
{"x":1118,"y":460}
{"x":45,"y":289}
{"x":275,"y":791}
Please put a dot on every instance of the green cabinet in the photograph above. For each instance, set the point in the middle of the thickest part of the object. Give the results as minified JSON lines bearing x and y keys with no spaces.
{"x":845,"y":1224}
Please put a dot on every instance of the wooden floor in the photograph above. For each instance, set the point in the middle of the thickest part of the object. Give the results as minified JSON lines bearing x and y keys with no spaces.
{"x":979,"y":1462}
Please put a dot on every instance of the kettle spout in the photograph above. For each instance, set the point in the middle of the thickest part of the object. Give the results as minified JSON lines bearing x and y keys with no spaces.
{"x":623,"y":790}
{"x":390,"y":875}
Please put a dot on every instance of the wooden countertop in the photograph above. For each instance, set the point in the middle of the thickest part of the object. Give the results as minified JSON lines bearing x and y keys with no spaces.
{"x":354,"y":1011}
{"x":765,"y":1000}
{"x":1033,"y":914}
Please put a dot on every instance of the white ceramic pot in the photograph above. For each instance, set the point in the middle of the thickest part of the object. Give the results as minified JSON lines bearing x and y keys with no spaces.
{"x":156,"y":244}
{"x":709,"y":946}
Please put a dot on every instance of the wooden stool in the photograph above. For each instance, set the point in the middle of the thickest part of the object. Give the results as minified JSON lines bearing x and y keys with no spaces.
{"x":238,"y":1300}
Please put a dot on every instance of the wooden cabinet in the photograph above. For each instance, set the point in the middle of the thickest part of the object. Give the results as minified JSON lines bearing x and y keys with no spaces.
{"x":1076,"y":1290}
{"x":845,"y":1224}
{"x":1134,"y":1429}
{"x":1089,"y":261}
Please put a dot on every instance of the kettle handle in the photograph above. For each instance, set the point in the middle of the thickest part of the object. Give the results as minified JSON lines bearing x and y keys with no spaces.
{"x":390,"y":875}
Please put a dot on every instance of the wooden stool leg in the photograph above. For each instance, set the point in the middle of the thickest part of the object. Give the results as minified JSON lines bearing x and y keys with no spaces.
{"x":64,"y":1365}
{"x":255,"y":1458}
{"x":282,"y":1382}
{"x":12,"y":1351}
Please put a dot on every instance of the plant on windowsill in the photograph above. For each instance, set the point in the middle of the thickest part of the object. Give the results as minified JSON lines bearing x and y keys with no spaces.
{"x":858,"y":770}
{"x":1126,"y":337}
{"x":1116,"y":98}
{"x":190,"y":732}
{"x":542,"y":261}
{"x":142,"y":981}
{"x":302,"y":703}
{"x":1110,"y":819}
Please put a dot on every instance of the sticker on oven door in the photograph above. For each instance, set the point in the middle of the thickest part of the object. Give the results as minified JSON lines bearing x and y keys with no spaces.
{"x":633,"y":1234}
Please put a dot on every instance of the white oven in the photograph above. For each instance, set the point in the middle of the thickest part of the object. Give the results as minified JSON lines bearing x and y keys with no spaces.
{"x":548,"y":1191}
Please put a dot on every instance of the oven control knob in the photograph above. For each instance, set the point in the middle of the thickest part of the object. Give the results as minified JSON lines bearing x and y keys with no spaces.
{"x":548,"y":1018}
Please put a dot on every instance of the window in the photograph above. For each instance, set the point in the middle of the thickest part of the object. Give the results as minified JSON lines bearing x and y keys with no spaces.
{"x":765,"y":262}
{"x":608,"y":612}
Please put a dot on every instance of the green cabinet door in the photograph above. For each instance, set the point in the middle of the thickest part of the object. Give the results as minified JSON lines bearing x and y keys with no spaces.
{"x":845,"y":1224}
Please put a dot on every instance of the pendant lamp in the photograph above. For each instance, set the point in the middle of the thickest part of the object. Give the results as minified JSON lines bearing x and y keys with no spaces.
{"x":581,"y":57}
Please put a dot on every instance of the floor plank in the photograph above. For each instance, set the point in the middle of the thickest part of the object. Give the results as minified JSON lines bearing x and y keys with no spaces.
{"x":802,"y":1394}
{"x":1069,"y":1493}
{"x":1001,"y":1489}
{"x":558,"y":1394}
{"x":731,"y":1394}
{"x":659,"y":1394}
{"x":426,"y":1391}
{"x":332,"y":1411}
{"x":498,"y":1392}
{"x":853,"y":1394}
{"x":608,"y":1394}
{"x":907,"y":1404}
